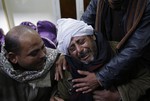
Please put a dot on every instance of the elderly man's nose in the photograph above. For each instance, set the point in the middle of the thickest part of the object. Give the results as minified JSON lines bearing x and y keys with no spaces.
{"x":79,"y":48}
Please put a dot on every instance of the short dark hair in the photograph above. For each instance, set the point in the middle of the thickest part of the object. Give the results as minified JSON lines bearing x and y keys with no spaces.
{"x":12,"y":38}
{"x":12,"y":44}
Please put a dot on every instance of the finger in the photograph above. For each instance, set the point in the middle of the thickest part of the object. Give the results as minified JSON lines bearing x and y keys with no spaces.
{"x":97,"y":98}
{"x":82,"y":80}
{"x":58,"y":99}
{"x":56,"y":76}
{"x":96,"y":92}
{"x":62,"y":61}
{"x":60,"y":71}
{"x":87,"y":91}
{"x":52,"y":99}
{"x":83,"y":72}
{"x":82,"y":89}
{"x":79,"y":85}
{"x":64,"y":64}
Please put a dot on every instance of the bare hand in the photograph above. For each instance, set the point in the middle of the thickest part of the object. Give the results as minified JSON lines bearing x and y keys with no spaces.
{"x":61,"y":64}
{"x":56,"y":99}
{"x":87,"y":83}
{"x":106,"y":95}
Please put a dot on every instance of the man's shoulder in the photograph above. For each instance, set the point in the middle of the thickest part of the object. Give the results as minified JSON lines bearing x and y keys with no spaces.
{"x":148,"y":2}
{"x":5,"y":79}
{"x":52,"y":52}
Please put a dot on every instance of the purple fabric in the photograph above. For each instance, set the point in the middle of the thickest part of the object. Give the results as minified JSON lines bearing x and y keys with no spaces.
{"x":26,"y":23}
{"x":47,"y":30}
{"x":48,"y":33}
{"x":1,"y":38}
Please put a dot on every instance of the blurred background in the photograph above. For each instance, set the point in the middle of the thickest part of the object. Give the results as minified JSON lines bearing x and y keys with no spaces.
{"x":13,"y":12}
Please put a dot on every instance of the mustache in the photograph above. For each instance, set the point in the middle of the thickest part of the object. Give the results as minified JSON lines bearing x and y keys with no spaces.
{"x":82,"y":54}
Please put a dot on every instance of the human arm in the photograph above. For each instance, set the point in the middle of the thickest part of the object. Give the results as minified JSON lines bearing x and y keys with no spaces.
{"x":119,"y":66}
{"x":90,"y":13}
{"x":106,"y":95}
{"x":137,"y":87}
{"x":61,"y":64}
{"x":131,"y":91}
{"x":64,"y":87}
{"x":87,"y":83}
{"x":56,"y":99}
{"x":134,"y":50}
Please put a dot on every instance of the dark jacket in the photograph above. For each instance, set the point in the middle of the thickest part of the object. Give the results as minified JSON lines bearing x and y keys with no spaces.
{"x":134,"y":52}
{"x":130,"y":91}
{"x":11,"y":90}
{"x":39,"y":89}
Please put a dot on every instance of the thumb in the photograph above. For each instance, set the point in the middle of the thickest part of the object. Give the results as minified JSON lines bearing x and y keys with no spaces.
{"x":83,"y":72}
{"x":58,"y":99}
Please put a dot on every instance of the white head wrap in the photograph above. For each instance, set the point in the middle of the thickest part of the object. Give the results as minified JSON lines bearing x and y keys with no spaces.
{"x":68,"y":28}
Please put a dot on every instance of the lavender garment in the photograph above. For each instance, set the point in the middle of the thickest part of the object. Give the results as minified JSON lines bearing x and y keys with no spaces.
{"x":1,"y":38}
{"x":48,"y":33}
{"x":27,"y":23}
{"x":46,"y":30}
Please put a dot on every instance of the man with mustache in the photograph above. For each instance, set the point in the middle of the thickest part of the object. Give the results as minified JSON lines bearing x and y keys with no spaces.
{"x":26,"y":66}
{"x":125,"y":21}
{"x":89,"y":51}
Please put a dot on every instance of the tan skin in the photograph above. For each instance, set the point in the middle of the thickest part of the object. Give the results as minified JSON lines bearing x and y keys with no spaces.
{"x":80,"y":44}
{"x":87,"y":46}
{"x":56,"y":99}
{"x":77,"y":45}
{"x":83,"y":48}
{"x":106,"y":95}
{"x":84,"y":44}
{"x":32,"y":53}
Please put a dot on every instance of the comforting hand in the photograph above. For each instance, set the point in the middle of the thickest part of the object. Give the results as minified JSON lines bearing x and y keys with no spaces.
{"x":87,"y":83}
{"x":61,"y":64}
{"x":56,"y":99}
{"x":106,"y":95}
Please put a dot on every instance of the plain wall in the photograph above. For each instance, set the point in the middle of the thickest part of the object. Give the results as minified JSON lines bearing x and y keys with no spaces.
{"x":13,"y":12}
{"x":29,"y":10}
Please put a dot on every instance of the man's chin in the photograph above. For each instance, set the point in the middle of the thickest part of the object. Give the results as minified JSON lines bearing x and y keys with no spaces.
{"x":40,"y":67}
{"x":88,"y":60}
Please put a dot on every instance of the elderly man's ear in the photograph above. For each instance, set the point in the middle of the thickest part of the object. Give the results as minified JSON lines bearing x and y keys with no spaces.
{"x":12,"y":57}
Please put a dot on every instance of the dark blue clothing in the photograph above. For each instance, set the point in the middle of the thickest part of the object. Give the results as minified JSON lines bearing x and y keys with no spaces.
{"x":136,"y":50}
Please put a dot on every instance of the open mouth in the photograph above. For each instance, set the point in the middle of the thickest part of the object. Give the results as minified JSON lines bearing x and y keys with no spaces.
{"x":84,"y":58}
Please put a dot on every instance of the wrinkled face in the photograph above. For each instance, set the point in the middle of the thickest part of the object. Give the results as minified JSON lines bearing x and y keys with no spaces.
{"x":83,"y":48}
{"x":33,"y":53}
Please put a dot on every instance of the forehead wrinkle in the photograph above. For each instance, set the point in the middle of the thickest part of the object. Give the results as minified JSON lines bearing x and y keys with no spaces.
{"x":77,"y":38}
{"x":36,"y":47}
{"x":29,"y":43}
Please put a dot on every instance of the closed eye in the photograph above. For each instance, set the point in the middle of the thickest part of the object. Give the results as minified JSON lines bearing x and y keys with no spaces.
{"x":80,"y":42}
{"x":72,"y":48}
{"x":35,"y":52}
